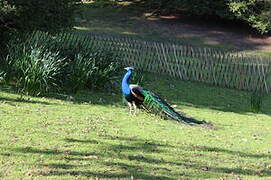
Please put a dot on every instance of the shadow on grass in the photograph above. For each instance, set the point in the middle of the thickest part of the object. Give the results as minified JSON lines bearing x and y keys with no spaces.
{"x":139,"y":158}
{"x":5,"y":154}
{"x":22,"y":100}
{"x":20,"y":97}
{"x":109,"y":174}
{"x":89,"y":97}
{"x":70,"y":140}
{"x":83,"y":97}
{"x":227,"y":151}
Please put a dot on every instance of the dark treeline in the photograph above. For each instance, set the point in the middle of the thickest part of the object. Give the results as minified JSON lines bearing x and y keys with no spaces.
{"x":28,"y":15}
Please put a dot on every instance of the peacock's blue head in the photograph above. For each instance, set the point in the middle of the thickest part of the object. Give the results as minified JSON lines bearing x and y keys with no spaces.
{"x":129,"y":68}
{"x":125,"y":85}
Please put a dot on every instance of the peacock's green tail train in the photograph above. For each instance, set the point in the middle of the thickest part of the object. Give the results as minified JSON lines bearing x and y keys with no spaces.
{"x":153,"y":103}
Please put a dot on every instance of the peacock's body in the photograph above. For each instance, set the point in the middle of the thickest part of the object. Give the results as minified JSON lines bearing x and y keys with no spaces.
{"x":137,"y":96}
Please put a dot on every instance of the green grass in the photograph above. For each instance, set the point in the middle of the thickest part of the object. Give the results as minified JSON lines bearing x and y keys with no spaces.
{"x":90,"y":135}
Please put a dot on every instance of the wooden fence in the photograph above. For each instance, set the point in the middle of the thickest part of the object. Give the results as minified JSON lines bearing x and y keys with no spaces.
{"x":222,"y":68}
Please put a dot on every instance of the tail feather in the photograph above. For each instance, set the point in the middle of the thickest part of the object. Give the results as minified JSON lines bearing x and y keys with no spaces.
{"x":155,"y":104}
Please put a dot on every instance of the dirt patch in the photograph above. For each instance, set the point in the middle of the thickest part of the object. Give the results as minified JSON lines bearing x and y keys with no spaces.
{"x":212,"y":32}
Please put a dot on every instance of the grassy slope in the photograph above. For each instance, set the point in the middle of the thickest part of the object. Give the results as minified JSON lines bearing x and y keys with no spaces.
{"x":96,"y":138}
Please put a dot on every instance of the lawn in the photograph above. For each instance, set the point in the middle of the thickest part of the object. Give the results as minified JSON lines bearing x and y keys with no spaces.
{"x":90,"y":135}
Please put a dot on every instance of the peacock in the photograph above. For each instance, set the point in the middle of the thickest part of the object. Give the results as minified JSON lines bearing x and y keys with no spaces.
{"x":139,"y":97}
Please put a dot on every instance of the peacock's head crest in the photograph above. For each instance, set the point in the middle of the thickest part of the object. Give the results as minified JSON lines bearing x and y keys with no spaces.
{"x":129,"y":68}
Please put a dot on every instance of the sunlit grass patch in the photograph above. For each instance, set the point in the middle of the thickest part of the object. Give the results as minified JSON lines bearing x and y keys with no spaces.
{"x":91,"y":135}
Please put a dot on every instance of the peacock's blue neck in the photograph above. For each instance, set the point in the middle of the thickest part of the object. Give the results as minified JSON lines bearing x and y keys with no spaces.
{"x":126,"y":83}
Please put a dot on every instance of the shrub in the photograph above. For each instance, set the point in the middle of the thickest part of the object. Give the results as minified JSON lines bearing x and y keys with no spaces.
{"x":256,"y":13}
{"x":35,"y":70}
{"x":89,"y":66}
{"x":94,"y":70}
{"x":80,"y":70}
{"x":60,"y":61}
{"x":107,"y":67}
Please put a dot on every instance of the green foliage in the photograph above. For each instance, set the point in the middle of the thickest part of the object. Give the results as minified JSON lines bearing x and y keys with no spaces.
{"x":79,"y":73}
{"x":35,"y":70}
{"x":37,"y":14}
{"x":59,"y":62}
{"x":89,"y":65}
{"x":106,"y":67}
{"x":256,"y":13}
{"x":93,"y":70}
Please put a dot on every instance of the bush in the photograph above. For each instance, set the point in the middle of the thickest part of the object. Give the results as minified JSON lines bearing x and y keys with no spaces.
{"x":80,"y":70}
{"x":35,"y":70}
{"x":106,"y":66}
{"x":89,"y":66}
{"x":256,"y":13}
{"x":61,"y":62}
{"x":93,"y":70}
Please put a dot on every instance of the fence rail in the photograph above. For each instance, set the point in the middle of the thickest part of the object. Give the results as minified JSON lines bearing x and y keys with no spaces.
{"x":222,"y":68}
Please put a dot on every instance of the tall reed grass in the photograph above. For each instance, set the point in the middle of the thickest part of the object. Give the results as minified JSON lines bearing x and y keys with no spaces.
{"x":43,"y":63}
{"x":35,"y":70}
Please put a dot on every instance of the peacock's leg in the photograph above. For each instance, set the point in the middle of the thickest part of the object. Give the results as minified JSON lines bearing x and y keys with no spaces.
{"x":130,"y":107}
{"x":135,"y":108}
